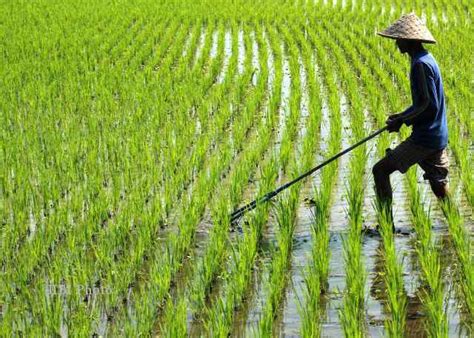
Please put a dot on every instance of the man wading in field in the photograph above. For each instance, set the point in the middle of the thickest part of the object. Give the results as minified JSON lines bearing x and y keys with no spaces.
{"x":426,"y":145}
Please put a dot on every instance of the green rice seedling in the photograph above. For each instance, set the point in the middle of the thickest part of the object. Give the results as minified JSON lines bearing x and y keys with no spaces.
{"x":352,"y":314}
{"x":248,"y":122}
{"x":175,"y":317}
{"x":213,"y":258}
{"x":463,"y":249}
{"x":393,"y":277}
{"x":120,"y":125}
{"x":316,"y":274}
{"x":429,"y":259}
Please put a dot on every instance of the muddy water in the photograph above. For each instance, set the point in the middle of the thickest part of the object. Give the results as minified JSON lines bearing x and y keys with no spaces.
{"x":325,"y":126}
{"x":195,"y":328}
{"x":187,"y":43}
{"x":202,"y":39}
{"x":215,"y":38}
{"x":255,"y":60}
{"x":338,"y":224}
{"x":227,"y":55}
{"x":270,"y":61}
{"x":338,"y":216}
{"x":285,"y":97}
{"x":255,"y":304}
{"x":304,"y":105}
{"x":240,"y":51}
{"x":289,"y":320}
{"x":247,"y":317}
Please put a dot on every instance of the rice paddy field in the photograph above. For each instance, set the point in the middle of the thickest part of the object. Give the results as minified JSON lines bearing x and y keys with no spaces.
{"x":130,"y":130}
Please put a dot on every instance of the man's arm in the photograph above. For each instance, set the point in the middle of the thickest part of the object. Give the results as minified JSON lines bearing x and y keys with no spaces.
{"x":422,"y":100}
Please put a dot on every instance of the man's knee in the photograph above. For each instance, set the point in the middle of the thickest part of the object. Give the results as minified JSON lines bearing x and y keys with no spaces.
{"x":383,"y":168}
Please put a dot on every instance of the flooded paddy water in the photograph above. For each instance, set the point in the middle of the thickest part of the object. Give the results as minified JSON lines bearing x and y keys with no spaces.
{"x":192,"y":132}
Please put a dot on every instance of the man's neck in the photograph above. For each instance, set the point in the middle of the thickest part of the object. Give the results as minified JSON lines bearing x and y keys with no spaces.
{"x":413,"y":52}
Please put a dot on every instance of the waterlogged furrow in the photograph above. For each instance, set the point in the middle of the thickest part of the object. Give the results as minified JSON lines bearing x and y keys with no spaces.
{"x":193,"y":209}
{"x":109,"y":211}
{"x":317,"y":274}
{"x":142,"y":199}
{"x":296,"y":304}
{"x":39,"y":208}
{"x":286,"y":211}
{"x":221,"y":312}
{"x":208,"y":268}
{"x":396,"y":300}
{"x":352,"y":313}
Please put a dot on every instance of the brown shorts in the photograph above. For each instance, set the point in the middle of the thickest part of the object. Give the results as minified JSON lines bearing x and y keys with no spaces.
{"x":435,"y":163}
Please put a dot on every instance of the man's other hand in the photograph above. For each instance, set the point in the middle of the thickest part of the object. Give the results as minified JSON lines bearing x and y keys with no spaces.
{"x":394,"y":123}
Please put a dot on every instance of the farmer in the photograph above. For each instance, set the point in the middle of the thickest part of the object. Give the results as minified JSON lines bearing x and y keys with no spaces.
{"x":426,"y":145}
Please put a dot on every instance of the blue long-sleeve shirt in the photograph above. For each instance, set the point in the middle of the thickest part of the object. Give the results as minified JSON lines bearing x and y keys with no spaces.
{"x":427,"y":114}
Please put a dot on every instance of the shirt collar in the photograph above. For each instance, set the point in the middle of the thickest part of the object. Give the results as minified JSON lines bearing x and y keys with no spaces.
{"x":419,"y":55}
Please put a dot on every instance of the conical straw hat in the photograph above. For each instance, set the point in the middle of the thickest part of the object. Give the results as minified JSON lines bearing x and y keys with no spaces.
{"x":409,"y":27}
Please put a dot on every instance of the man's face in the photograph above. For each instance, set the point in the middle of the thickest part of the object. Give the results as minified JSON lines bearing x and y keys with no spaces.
{"x":402,"y":45}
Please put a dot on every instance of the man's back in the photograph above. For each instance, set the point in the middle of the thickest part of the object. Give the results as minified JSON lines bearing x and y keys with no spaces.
{"x":430,"y":127}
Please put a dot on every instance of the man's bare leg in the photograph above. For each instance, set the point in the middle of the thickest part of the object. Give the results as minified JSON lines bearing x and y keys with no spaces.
{"x":382,"y":171}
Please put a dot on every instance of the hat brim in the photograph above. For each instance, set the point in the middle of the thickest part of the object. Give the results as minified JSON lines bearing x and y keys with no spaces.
{"x":403,"y":38}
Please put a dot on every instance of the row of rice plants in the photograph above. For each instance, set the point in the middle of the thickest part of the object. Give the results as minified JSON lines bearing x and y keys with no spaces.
{"x":462,"y":243}
{"x":352,"y":313}
{"x":396,"y":300}
{"x":288,"y":204}
{"x":144,"y":190}
{"x":237,"y":281}
{"x":459,"y":101}
{"x":179,"y":243}
{"x":429,"y":261}
{"x":28,"y":252}
{"x":209,"y":267}
{"x":316,"y":274}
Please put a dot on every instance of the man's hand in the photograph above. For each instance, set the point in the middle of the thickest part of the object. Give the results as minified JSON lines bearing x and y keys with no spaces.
{"x":394,"y":123}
